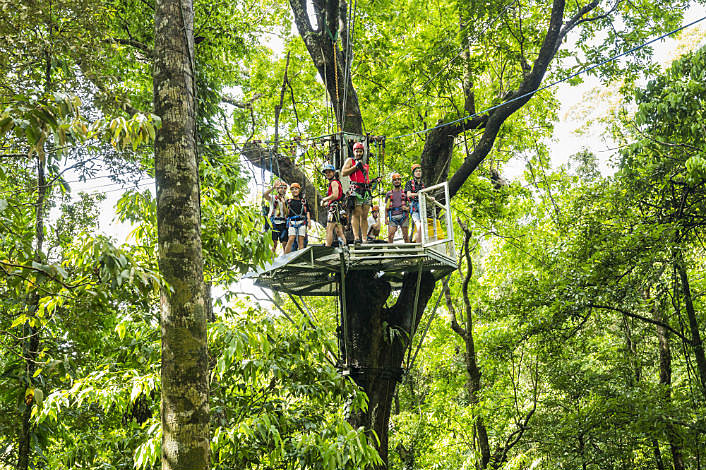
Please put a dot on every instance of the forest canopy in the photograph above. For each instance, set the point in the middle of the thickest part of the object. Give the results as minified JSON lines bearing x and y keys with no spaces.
{"x":570,"y":336}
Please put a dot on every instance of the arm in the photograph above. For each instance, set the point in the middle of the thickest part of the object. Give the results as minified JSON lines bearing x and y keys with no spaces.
{"x":376,"y":225}
{"x":387,"y":210}
{"x":267,"y":193}
{"x":408,"y":190}
{"x":348,"y":168}
{"x":333,"y":196}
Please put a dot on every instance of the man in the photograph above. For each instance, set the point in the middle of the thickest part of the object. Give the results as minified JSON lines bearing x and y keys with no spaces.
{"x":412,"y":189}
{"x":396,"y":210}
{"x":332,"y":201}
{"x":298,"y":218}
{"x":277,"y":213}
{"x":360,"y":194}
{"x":374,"y":224}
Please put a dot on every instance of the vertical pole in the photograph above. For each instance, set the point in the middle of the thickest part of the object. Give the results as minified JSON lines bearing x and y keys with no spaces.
{"x":344,"y":317}
{"x":449,"y":221}
{"x":423,"y":218}
{"x":414,"y":310}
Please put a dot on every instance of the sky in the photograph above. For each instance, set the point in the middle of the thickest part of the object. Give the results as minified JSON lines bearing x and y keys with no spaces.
{"x":585,"y":106}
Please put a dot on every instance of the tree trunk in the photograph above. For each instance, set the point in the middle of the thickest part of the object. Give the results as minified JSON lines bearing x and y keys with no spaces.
{"x":376,"y":340}
{"x":696,"y":342}
{"x":185,"y":409}
{"x":31,"y":346}
{"x":665,"y":379}
{"x":329,"y":60}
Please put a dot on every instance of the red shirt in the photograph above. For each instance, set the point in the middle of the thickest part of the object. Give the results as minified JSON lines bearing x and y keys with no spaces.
{"x":359,"y":176}
{"x":330,"y":190}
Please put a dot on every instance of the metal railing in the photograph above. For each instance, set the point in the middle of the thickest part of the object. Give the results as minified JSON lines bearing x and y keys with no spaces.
{"x":442,"y":239}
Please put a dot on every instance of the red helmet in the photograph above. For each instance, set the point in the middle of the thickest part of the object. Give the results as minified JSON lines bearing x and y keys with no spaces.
{"x":295,"y":185}
{"x":358,"y":145}
{"x":396,"y":176}
{"x":415,"y":166}
{"x":376,"y":207}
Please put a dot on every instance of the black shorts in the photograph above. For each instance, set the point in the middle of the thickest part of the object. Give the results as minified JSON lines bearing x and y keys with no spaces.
{"x":279,"y":229}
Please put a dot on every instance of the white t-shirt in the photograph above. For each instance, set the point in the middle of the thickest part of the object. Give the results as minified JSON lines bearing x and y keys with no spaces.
{"x":277,"y":206}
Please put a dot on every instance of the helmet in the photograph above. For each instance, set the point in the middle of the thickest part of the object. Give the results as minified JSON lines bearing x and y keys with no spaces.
{"x":376,"y":208}
{"x":326,"y":167}
{"x":396,"y":175}
{"x":295,"y":185}
{"x":415,"y":166}
{"x":358,"y":145}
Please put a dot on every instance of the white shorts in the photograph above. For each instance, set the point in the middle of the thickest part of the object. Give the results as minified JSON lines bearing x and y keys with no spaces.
{"x":297,"y":228}
{"x":416,"y":217}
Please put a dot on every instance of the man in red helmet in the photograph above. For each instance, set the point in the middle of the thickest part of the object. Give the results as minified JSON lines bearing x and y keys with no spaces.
{"x":396,"y":210}
{"x":360,"y":194}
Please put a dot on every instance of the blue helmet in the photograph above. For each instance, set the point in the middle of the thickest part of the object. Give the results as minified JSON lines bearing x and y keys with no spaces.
{"x":326,"y":167}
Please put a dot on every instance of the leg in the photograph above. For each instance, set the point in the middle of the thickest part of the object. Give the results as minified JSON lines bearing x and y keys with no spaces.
{"x":339,"y":232}
{"x":364,"y":221}
{"x":391,"y":229}
{"x":404,"y":233}
{"x":300,"y":242}
{"x":330,"y":227}
{"x":418,"y":227}
{"x":355,"y":222}
{"x":290,"y":242}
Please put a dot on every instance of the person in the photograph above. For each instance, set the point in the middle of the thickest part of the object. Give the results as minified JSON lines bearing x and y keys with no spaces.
{"x":298,"y":218}
{"x":277,"y":213}
{"x":360,"y":195}
{"x":412,"y":189}
{"x":332,"y":201}
{"x":374,"y":223}
{"x":396,"y":210}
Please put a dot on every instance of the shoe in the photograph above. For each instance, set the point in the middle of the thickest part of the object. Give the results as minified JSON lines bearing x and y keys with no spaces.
{"x":357,"y":242}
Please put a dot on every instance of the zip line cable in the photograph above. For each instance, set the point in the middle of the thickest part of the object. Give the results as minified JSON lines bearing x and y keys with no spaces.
{"x":312,"y":140}
{"x":557,"y":82}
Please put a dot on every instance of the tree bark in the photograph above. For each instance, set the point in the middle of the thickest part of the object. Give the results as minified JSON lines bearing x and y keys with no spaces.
{"x":185,"y":408}
{"x":376,"y":340}
{"x":696,"y":342}
{"x":465,"y":331}
{"x":329,"y":60}
{"x":665,"y":379}
{"x":31,"y":346}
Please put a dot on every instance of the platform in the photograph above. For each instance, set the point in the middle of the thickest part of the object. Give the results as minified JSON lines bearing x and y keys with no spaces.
{"x":316,"y":270}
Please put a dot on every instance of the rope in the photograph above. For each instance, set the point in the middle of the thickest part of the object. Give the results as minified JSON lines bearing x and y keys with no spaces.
{"x":335,"y":71}
{"x":426,"y":329}
{"x":350,"y":30}
{"x":557,"y":82}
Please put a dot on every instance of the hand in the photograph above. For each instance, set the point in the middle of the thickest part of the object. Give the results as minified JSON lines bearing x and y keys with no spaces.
{"x":324,"y":203}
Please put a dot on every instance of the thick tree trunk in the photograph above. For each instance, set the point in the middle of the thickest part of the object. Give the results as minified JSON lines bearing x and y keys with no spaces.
{"x":377,"y":338}
{"x":185,"y":409}
{"x":665,"y":379}
{"x":329,"y":60}
{"x":696,"y":342}
{"x":31,"y":346}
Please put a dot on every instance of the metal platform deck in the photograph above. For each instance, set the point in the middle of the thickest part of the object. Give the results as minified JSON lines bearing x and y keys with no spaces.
{"x":316,"y":270}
